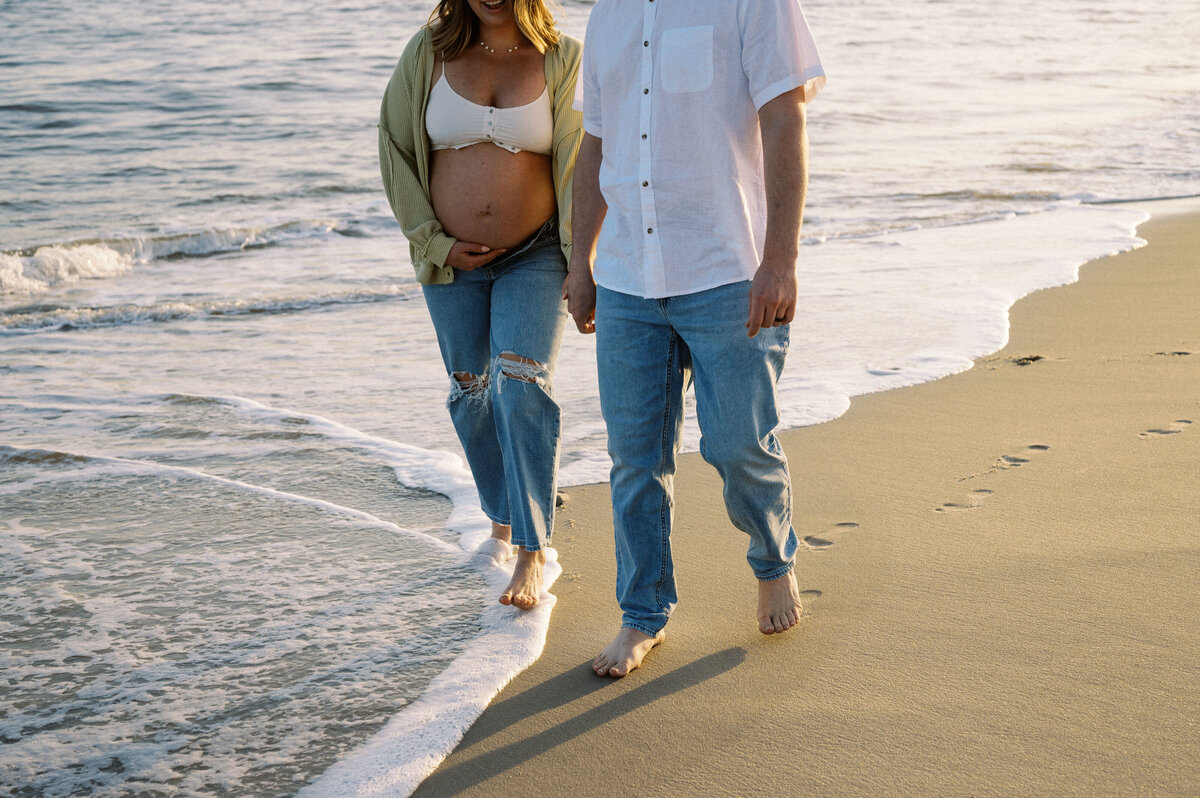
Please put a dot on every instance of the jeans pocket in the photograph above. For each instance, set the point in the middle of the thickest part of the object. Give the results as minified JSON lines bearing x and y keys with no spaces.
{"x":687,"y":59}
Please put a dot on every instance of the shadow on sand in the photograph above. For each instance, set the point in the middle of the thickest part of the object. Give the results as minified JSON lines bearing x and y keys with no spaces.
{"x":563,"y":689}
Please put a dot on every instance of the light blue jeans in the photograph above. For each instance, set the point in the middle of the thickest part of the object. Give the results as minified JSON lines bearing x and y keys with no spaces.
{"x":503,"y":410}
{"x":648,"y":351}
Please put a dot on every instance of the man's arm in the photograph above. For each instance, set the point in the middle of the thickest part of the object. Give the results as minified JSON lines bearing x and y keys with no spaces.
{"x":774,"y":291}
{"x":587,"y":214}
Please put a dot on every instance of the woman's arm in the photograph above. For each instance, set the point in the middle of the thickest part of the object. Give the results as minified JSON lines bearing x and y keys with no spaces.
{"x":410,"y":204}
{"x":402,"y":106}
{"x":568,"y":131}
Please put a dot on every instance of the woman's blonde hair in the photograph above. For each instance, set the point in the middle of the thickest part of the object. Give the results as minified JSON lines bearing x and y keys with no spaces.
{"x":455,"y":27}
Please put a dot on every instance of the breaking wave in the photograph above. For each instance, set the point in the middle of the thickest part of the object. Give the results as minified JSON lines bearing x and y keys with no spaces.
{"x":36,"y":269}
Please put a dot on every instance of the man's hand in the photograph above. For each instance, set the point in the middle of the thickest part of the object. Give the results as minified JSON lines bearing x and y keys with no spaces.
{"x":468,"y":257}
{"x":579,"y":289}
{"x":772,"y":295}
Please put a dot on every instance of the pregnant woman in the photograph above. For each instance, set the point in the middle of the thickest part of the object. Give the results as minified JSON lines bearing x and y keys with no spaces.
{"x":477,"y":143}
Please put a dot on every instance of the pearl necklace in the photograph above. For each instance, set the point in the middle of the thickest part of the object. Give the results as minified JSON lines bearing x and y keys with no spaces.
{"x":498,"y":52}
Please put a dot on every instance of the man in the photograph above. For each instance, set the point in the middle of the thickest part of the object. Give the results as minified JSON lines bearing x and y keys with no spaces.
{"x":688,"y":198}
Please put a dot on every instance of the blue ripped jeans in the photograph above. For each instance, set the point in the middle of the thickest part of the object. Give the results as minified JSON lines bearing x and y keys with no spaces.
{"x":647,"y":352}
{"x":504,"y":410}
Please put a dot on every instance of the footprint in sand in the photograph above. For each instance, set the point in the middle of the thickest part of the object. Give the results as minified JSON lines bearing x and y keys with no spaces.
{"x":817,"y":543}
{"x":807,"y":597}
{"x":1003,"y":463}
{"x":1179,"y":426}
{"x":810,"y":594}
{"x":974,"y":499}
{"x":1016,"y":460}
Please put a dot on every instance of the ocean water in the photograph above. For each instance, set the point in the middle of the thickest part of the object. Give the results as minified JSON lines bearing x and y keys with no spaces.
{"x":234,"y":523}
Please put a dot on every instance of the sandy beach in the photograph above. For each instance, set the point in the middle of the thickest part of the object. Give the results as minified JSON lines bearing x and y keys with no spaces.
{"x":1001,"y":573}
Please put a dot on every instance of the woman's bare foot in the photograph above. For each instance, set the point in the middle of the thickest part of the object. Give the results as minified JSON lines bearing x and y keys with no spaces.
{"x":499,"y":546}
{"x":496,"y":550}
{"x":526,"y":585}
{"x":778,"y":605}
{"x":625,"y":653}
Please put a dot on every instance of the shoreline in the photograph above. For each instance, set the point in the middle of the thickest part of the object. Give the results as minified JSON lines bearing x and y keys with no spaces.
{"x":949,"y":530}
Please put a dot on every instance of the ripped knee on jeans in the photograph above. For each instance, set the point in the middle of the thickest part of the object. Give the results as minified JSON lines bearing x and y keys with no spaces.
{"x":472,"y":387}
{"x":511,"y":366}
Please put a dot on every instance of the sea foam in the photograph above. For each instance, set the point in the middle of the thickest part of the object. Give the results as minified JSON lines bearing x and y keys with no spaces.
{"x":886,"y":311}
{"x":398,"y":757}
{"x":504,"y":640}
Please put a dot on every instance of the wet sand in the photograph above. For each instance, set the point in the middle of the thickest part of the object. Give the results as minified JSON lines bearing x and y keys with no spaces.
{"x":1002,"y":583}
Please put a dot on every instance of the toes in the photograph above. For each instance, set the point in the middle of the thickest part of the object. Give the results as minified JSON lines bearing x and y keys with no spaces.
{"x":781,"y":622}
{"x":607,"y":664}
{"x":519,"y":594}
{"x":623,"y":655}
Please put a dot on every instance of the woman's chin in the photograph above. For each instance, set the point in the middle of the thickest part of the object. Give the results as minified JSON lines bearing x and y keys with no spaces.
{"x":493,"y":11}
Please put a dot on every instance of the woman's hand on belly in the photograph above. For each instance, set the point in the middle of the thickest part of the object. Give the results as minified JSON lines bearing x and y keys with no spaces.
{"x":469,"y":257}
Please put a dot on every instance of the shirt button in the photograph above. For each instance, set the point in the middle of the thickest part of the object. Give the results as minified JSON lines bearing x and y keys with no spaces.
{"x":645,"y":91}
{"x":650,"y":230}
{"x":643,"y":135}
{"x":645,"y":183}
{"x":645,"y":44}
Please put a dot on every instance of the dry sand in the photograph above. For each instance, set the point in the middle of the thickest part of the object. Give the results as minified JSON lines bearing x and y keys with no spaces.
{"x":1002,"y":583}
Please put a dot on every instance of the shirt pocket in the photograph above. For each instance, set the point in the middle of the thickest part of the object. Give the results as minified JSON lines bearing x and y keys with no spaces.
{"x":687,"y":59}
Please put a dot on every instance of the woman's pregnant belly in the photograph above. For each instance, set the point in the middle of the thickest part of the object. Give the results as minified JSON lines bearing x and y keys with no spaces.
{"x":483,"y":194}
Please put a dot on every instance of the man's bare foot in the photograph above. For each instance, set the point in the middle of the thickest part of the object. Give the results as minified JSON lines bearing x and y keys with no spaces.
{"x":526,"y":585}
{"x":502,"y":532}
{"x":778,"y":605}
{"x":625,"y":653}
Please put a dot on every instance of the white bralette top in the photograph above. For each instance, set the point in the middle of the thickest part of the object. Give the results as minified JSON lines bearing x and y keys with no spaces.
{"x":454,"y":122}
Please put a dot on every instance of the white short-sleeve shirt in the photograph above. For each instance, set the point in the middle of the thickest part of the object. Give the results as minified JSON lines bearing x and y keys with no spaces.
{"x":673,"y":89}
